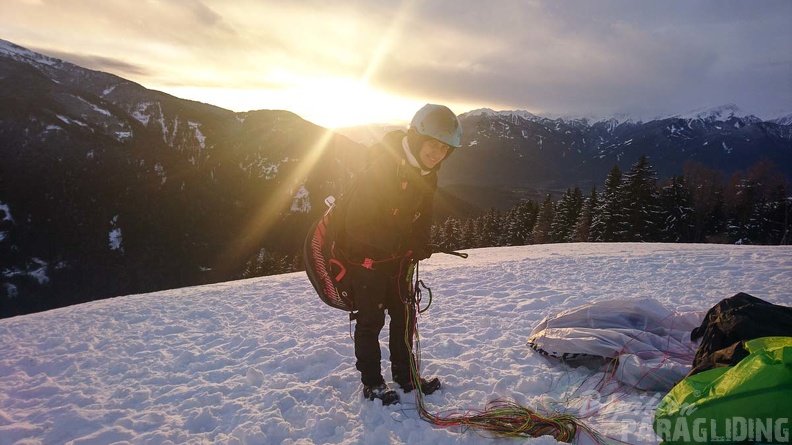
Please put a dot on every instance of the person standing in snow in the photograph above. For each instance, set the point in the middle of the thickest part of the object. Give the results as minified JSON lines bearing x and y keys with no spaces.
{"x":388,"y":219}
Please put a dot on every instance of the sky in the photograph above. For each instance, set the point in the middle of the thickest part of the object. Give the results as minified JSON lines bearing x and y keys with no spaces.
{"x":362,"y":61}
{"x":263,"y":361}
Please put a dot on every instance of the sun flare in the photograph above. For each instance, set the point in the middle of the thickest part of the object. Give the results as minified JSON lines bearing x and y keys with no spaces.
{"x":331,"y":103}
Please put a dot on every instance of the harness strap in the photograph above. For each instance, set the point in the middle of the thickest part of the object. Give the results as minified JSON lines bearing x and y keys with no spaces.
{"x":342,"y":268}
{"x":369,"y":263}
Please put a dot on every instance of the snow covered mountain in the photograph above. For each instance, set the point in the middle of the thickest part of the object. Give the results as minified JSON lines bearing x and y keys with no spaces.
{"x":110,"y":188}
{"x":719,"y":114}
{"x":509,"y":149}
{"x":783,"y":120}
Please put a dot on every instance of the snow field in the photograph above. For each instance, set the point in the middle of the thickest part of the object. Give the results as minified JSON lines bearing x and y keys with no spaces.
{"x":263,"y":361}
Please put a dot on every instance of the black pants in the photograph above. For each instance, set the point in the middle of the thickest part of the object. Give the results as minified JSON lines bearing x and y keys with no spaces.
{"x":374,"y":292}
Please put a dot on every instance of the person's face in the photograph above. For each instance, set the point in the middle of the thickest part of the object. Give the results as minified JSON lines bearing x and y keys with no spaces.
{"x":432,"y":152}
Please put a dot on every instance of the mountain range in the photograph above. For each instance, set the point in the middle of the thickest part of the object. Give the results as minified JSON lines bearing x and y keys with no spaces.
{"x":101,"y":175}
{"x":511,"y":151}
{"x":109,"y":188}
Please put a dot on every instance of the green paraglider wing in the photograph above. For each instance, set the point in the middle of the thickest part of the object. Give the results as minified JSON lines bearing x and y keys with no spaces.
{"x":751,"y":401}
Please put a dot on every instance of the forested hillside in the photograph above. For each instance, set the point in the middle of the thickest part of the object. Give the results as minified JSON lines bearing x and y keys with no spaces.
{"x":699,"y":205}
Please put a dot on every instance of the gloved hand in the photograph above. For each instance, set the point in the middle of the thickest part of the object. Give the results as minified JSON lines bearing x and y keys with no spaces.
{"x":422,"y":253}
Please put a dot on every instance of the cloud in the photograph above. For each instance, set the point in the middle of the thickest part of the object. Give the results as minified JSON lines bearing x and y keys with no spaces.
{"x":611,"y":56}
{"x":207,"y":15}
{"x":544,"y":56}
{"x":98,"y":63}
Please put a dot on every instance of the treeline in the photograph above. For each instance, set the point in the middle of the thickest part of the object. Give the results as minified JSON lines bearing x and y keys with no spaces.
{"x":699,"y":206}
{"x":266,"y":262}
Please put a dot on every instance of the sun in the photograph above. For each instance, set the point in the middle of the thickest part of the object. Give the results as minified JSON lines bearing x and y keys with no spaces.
{"x":337,"y":103}
{"x":328,"y":102}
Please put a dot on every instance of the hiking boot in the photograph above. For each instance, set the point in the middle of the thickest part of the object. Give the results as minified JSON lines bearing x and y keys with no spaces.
{"x":427,"y":386}
{"x":381,"y":391}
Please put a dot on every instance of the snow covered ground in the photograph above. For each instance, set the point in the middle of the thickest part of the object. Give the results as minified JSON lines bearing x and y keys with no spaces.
{"x":263,"y":361}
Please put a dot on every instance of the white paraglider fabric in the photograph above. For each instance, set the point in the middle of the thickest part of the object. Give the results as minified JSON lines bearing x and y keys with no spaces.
{"x":650,"y":342}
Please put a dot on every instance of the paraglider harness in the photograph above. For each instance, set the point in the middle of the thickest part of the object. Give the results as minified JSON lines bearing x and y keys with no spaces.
{"x":326,"y":265}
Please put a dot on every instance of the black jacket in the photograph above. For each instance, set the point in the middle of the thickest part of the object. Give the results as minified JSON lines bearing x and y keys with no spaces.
{"x":389,"y":210}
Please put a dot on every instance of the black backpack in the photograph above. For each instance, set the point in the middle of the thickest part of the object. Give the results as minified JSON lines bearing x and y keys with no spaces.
{"x":733,"y":321}
{"x":324,"y":262}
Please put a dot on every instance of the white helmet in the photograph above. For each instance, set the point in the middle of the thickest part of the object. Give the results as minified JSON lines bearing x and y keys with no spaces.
{"x":438,"y":122}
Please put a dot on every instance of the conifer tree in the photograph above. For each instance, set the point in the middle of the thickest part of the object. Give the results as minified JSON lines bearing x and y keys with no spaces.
{"x":519,"y":223}
{"x":544,"y":222}
{"x":758,"y":208}
{"x":705,"y":188}
{"x":678,"y":216}
{"x":609,"y":210}
{"x":771,"y":212}
{"x":567,"y":212}
{"x":527,"y":213}
{"x":510,"y":229}
{"x":744,"y":198}
{"x":436,"y":234}
{"x":584,"y":230}
{"x":490,"y":228}
{"x":468,"y":234}
{"x":451,"y":234}
{"x":641,"y":207}
{"x":478,"y":228}
{"x":266,"y":263}
{"x":779,"y":218}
